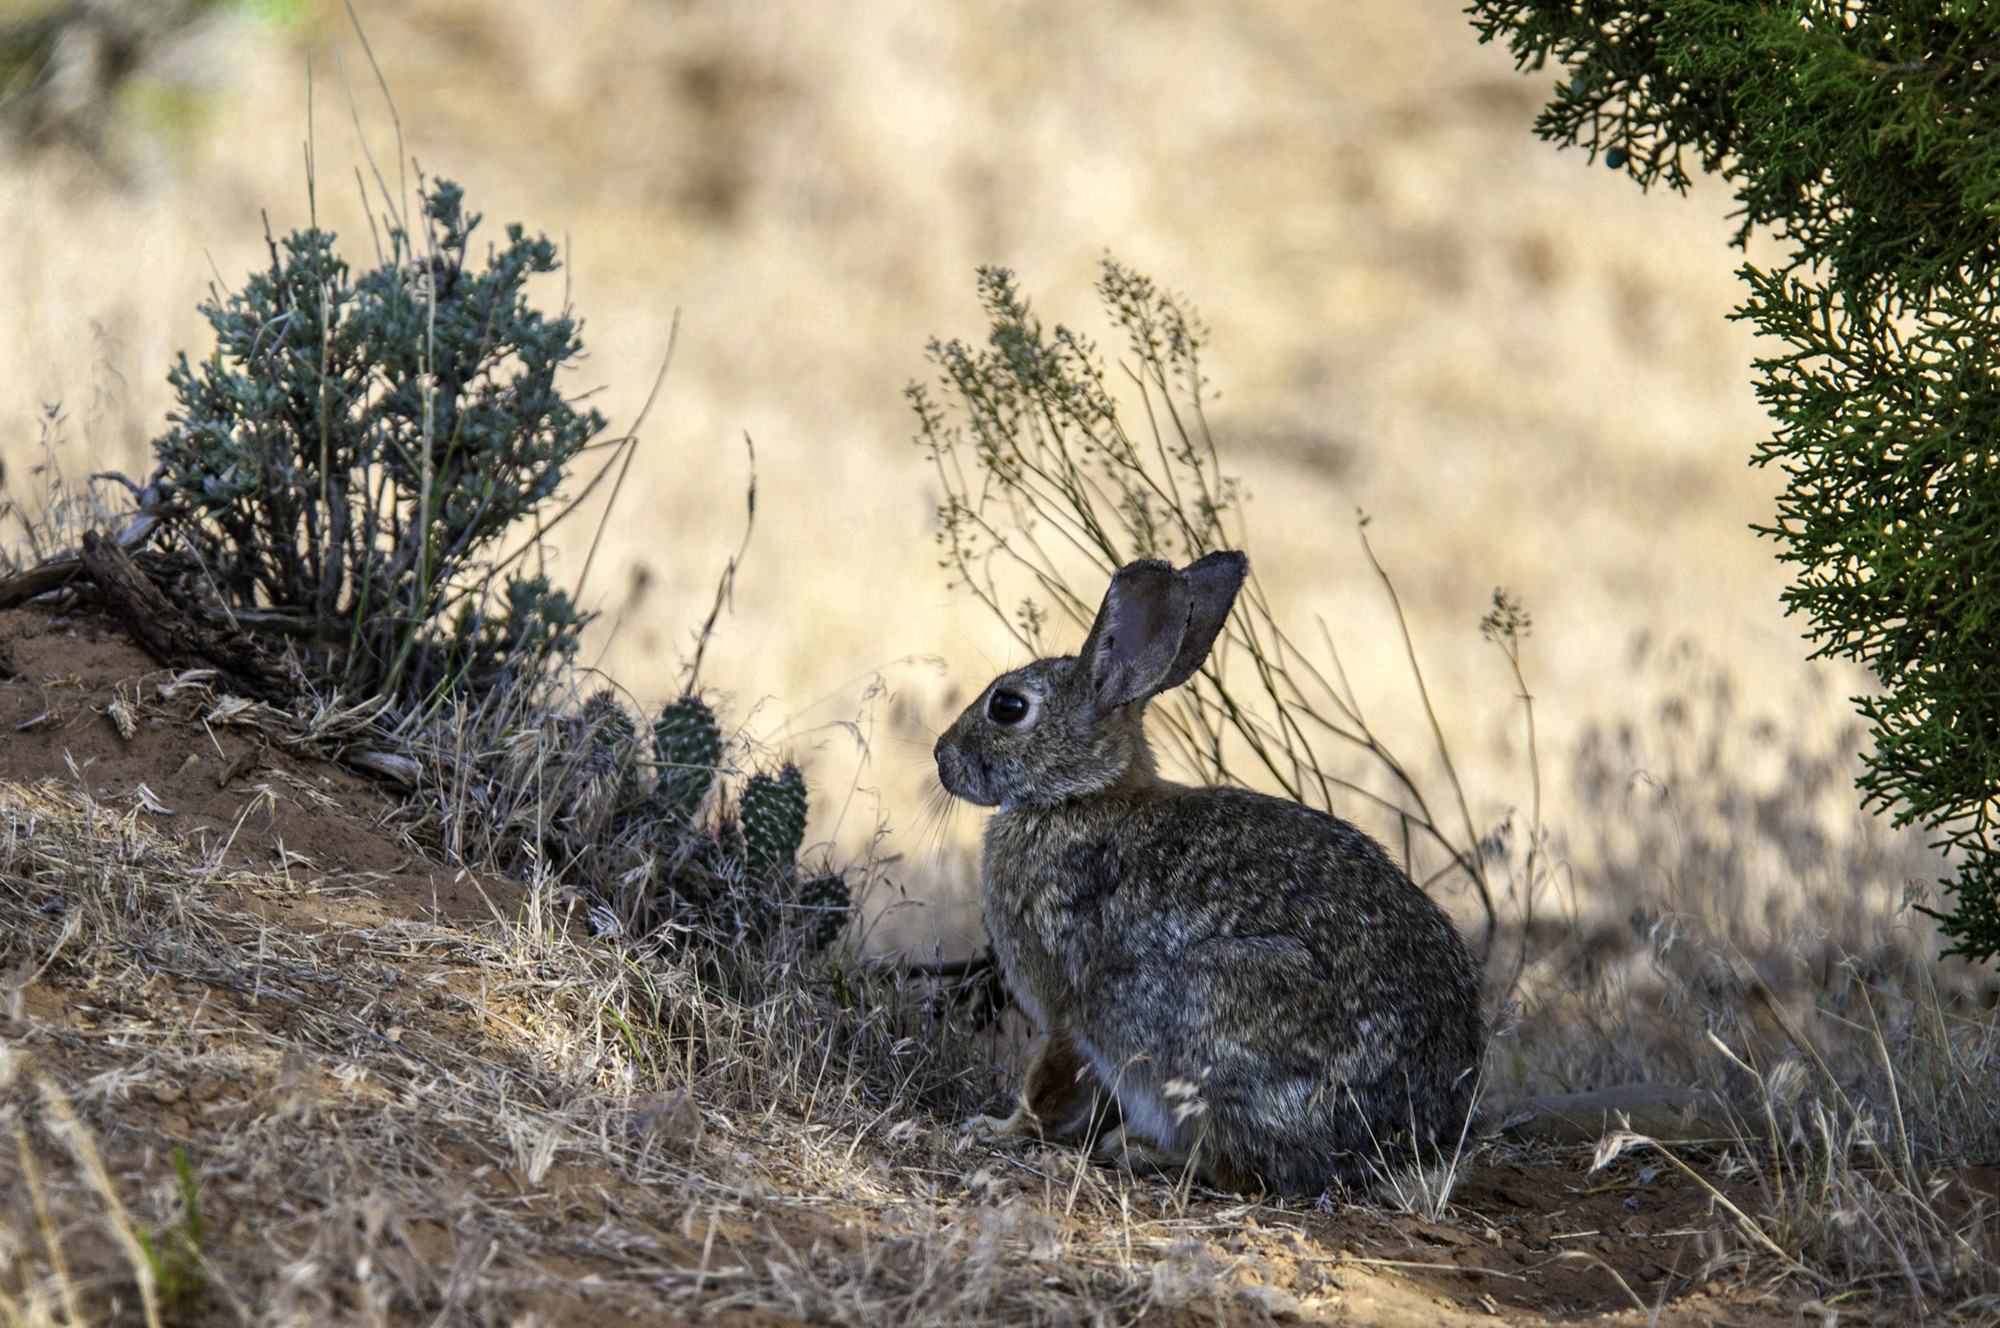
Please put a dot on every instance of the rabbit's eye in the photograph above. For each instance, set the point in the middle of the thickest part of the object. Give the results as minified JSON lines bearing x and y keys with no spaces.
{"x":1005,"y":707}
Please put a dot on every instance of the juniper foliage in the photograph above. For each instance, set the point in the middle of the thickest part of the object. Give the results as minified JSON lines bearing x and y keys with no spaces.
{"x":356,"y":450}
{"x":1864,"y":135}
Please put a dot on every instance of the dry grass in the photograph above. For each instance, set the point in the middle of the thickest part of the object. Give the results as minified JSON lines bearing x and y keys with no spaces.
{"x":46,"y":504}
{"x":358,"y":1089}
{"x":439,"y":1120}
{"x":1728,"y":919}
{"x":1724,"y":881}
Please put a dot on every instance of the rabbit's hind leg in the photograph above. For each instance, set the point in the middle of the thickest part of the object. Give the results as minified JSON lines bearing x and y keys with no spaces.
{"x":1205,"y":1162}
{"x":1060,"y":1098}
{"x":1137,"y":1154}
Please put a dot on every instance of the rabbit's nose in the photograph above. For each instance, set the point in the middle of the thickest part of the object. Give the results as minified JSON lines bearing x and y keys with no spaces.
{"x":951,"y":768}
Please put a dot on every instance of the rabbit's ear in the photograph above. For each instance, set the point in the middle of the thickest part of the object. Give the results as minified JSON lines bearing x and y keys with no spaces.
{"x":1138,"y":633}
{"x":1212,"y":583}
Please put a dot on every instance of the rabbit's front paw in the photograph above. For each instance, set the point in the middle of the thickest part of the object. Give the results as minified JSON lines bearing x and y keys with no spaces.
{"x":993,"y":1129}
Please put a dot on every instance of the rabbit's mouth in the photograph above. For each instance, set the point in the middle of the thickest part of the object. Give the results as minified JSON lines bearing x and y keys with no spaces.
{"x":965,"y":778}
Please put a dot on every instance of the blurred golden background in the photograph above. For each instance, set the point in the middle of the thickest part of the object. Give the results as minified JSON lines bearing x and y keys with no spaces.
{"x":1519,"y":366}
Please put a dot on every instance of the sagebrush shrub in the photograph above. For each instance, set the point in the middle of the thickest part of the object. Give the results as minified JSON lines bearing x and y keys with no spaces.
{"x":358,"y":449}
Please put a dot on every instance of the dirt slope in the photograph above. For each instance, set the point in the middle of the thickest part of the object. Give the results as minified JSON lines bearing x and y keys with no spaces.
{"x":218,"y":782}
{"x":402,"y":1101}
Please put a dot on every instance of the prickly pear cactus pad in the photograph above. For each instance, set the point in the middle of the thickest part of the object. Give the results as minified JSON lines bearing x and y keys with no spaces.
{"x":773,"y":810}
{"x":611,"y":731}
{"x":687,"y":743}
{"x":608,"y":721}
{"x":828,"y":906}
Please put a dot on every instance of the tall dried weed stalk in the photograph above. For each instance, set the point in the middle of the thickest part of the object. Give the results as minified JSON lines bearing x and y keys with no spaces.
{"x":1046,"y":478}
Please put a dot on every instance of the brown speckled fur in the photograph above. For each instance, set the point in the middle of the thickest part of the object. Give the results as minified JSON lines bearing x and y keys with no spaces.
{"x":1261,"y":988}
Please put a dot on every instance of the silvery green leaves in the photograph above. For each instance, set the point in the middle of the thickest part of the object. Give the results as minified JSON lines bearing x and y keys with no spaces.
{"x":354,"y":449}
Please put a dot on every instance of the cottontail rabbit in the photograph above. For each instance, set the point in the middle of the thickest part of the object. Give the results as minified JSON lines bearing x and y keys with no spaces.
{"x":1261,"y":990}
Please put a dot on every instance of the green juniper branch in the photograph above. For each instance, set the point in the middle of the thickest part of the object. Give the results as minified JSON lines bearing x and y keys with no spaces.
{"x":1864,"y":135}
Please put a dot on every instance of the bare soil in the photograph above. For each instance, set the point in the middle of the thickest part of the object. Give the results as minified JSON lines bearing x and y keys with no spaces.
{"x":345,"y":1039}
{"x":224,"y":785}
